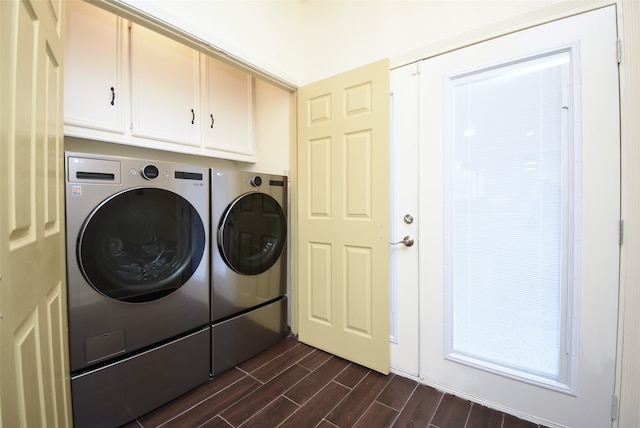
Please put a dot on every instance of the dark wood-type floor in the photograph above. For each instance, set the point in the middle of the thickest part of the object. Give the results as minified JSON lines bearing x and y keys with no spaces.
{"x":294,"y":385}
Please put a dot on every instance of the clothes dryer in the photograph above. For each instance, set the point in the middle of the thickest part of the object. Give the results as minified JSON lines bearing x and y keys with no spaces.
{"x":249,"y":264}
{"x":138,"y":284}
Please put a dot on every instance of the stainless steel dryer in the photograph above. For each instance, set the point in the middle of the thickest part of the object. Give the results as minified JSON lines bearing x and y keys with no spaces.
{"x":249,"y":264}
{"x":138,"y":278}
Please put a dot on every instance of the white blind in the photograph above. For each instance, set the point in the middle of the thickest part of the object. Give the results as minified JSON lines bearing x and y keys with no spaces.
{"x":507,"y":226}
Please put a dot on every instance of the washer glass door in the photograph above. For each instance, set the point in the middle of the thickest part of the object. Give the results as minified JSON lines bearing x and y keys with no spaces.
{"x":141,"y":245}
{"x":252,"y":233}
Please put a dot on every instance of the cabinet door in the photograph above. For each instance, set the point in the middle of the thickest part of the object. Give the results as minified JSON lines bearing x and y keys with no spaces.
{"x":164,"y":82}
{"x":229,"y":109}
{"x":95,"y":53}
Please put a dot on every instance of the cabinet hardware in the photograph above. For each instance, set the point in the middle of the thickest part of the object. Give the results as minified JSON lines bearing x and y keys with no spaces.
{"x":193,"y":117}
{"x":212,"y":121}
{"x":113,"y":96}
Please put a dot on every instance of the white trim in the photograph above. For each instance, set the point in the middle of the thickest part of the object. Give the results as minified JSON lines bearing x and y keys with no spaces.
{"x":477,"y":400}
{"x":521,"y":22}
{"x":627,"y":367}
{"x":393,"y":285}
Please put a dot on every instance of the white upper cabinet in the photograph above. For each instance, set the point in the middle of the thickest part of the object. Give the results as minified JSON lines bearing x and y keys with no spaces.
{"x":164,"y":89}
{"x":129,"y":85}
{"x":95,"y":95}
{"x":228,"y":108}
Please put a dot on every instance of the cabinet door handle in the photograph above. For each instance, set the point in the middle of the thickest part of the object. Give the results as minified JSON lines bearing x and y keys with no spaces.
{"x":193,"y":117}
{"x":212,"y":121}
{"x":113,"y":96}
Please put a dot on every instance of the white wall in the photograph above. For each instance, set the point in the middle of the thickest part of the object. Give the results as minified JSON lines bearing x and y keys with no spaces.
{"x":272,"y":129}
{"x":304,"y":41}
{"x":341,"y":35}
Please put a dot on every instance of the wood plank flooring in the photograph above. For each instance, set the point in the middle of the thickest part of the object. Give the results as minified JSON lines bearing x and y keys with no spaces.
{"x":293,"y":385}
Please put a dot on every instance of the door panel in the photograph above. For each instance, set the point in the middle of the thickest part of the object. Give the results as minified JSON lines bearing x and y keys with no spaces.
{"x":405,"y":123}
{"x":596,"y":128}
{"x":343,"y":217}
{"x":34,"y":386}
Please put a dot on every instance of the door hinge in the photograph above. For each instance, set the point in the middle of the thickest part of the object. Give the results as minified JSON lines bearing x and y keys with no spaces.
{"x":416,"y":68}
{"x":614,"y":407}
{"x":619,"y":50}
{"x":621,"y":232}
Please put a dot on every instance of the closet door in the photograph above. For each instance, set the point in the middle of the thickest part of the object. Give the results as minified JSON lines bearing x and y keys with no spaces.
{"x":34,"y":349}
{"x":343,"y":221}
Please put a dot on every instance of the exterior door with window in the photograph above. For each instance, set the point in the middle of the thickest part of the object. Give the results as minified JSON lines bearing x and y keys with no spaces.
{"x":519,"y":215}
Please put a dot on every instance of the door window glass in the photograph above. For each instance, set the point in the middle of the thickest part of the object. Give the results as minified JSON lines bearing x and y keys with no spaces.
{"x":510,"y":231}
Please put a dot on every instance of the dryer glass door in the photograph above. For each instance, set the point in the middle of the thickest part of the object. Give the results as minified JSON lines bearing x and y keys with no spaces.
{"x":141,"y":245}
{"x":252,"y":233}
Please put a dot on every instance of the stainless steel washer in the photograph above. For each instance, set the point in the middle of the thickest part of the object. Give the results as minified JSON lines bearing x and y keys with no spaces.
{"x":138,"y":278}
{"x":249,"y":264}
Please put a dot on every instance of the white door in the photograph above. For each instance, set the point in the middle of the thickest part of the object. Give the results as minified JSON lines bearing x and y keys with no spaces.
{"x":504,"y":207}
{"x":403,"y":182}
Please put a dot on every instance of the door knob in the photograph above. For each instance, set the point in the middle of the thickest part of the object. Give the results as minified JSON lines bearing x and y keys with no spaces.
{"x":407,"y":241}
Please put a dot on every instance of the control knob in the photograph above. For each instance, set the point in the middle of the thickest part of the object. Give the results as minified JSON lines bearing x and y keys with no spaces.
{"x":150,"y":172}
{"x":256,"y":181}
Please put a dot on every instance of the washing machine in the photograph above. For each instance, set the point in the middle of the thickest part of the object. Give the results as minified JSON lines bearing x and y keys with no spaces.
{"x":249,"y":264}
{"x":138,"y":284}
